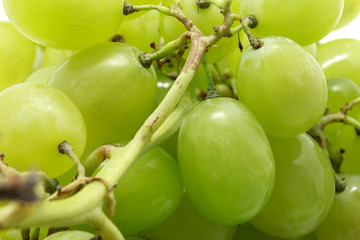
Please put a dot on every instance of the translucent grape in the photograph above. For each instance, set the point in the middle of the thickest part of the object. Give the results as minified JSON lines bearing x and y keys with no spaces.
{"x":225,"y":161}
{"x":340,"y":58}
{"x":36,"y":118}
{"x":65,"y":24}
{"x":304,"y":21}
{"x":148,"y":193}
{"x":283,"y":86}
{"x":113,"y":91}
{"x":70,"y":235}
{"x":304,"y":188}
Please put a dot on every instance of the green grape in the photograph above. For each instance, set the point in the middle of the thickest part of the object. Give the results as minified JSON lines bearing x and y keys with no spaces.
{"x":17,"y":56}
{"x":283,"y":86}
{"x":204,"y":19}
{"x":248,"y":232}
{"x":42,"y":75}
{"x":148,"y":193}
{"x":340,"y":92}
{"x":304,"y":188}
{"x":65,"y":24}
{"x":113,"y":91}
{"x":342,"y":222}
{"x":340,"y":58}
{"x":187,"y":223}
{"x":145,"y":26}
{"x":350,"y":12}
{"x":303,"y":21}
{"x":225,"y":160}
{"x":70,"y":235}
{"x":2,"y":232}
{"x":53,"y":56}
{"x":36,"y":118}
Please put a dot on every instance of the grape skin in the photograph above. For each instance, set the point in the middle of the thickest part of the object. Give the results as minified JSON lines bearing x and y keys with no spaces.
{"x":283,"y":86}
{"x":225,"y":161}
{"x":36,"y":118}
{"x":17,"y":56}
{"x":65,"y":24}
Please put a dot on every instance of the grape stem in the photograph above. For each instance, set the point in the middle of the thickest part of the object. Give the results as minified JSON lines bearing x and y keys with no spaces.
{"x":177,"y":13}
{"x":146,"y":59}
{"x":211,"y":92}
{"x":97,"y":157}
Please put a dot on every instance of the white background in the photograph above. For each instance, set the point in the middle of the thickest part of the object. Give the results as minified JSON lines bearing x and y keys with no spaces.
{"x":350,"y":31}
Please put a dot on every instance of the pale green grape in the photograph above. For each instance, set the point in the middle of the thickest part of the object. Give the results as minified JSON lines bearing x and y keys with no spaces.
{"x":350,"y":12}
{"x":204,"y":19}
{"x":142,"y":31}
{"x":65,"y":24}
{"x":35,"y":119}
{"x":53,"y":56}
{"x":187,"y":223}
{"x":340,"y":58}
{"x":283,"y":86}
{"x":148,"y":193}
{"x":17,"y":55}
{"x":304,"y":21}
{"x":304,"y":188}
{"x":113,"y":91}
{"x":70,"y":235}
{"x":342,"y":222}
{"x":248,"y":232}
{"x":225,"y":161}
{"x":42,"y":75}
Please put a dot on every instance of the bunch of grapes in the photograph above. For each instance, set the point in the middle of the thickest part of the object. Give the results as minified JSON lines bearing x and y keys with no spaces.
{"x":179,"y":120}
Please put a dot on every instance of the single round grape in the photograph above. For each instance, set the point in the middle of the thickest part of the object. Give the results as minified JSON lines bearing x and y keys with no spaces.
{"x":248,"y":232}
{"x":113,"y":91}
{"x":70,"y":235}
{"x":205,"y":20}
{"x":148,"y":193}
{"x":65,"y":24}
{"x":350,"y":12}
{"x":187,"y":223}
{"x":342,"y":222}
{"x":283,"y":86}
{"x":304,"y":188}
{"x":303,"y":21}
{"x":145,"y":26}
{"x":225,"y":160}
{"x":340,"y":58}
{"x":42,"y":75}
{"x":35,"y":119}
{"x":17,"y":56}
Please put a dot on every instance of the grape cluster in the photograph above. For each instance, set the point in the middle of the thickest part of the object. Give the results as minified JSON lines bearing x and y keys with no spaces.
{"x":197,"y":120}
